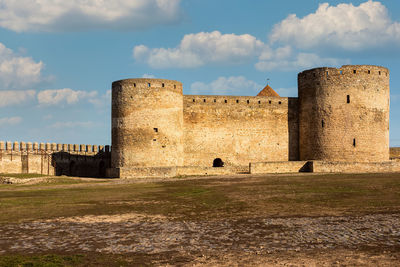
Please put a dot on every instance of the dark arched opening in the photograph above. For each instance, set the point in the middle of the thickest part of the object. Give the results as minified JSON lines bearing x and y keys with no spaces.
{"x":72,"y":168}
{"x":218,"y":163}
{"x":102,"y":169}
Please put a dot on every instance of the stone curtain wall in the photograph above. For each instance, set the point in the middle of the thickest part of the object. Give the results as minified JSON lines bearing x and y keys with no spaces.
{"x":344,"y":114}
{"x":147,"y":123}
{"x":236,"y":129}
{"x":53,"y":159}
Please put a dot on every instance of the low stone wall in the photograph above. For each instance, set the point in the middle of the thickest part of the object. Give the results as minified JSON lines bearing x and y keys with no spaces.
{"x":279,"y":167}
{"x":126,"y":173}
{"x":195,"y":170}
{"x":355,"y":167}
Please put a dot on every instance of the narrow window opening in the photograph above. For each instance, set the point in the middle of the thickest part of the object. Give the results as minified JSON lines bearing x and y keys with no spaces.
{"x":270,"y":101}
{"x":154,"y":140}
{"x":156,"y":130}
{"x":323,"y":123}
{"x":204,"y":100}
{"x":348,"y":99}
{"x":174,"y":86}
{"x":134,"y":85}
{"x":354,"y":142}
{"x":314,"y":75}
{"x":259,"y":102}
{"x":379,"y":72}
{"x":327,"y":73}
{"x":248,"y":101}
{"x":369,"y":72}
{"x":215,"y":100}
{"x":237,"y":101}
{"x":341,"y":72}
{"x":354,"y":71}
{"x":194,"y":100}
{"x":226,"y":101}
{"x":149,"y":84}
{"x":163,"y":85}
{"x":217,"y":163}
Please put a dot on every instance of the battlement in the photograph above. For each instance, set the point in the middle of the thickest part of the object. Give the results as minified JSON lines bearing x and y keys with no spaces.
{"x":146,"y":84}
{"x":345,"y":71}
{"x":49,"y":148}
{"x":232,"y":101}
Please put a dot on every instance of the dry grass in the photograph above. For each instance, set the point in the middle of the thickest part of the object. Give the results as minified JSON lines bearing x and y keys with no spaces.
{"x":192,"y":199}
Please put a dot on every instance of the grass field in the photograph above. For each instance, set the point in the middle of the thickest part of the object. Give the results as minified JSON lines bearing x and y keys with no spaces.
{"x":303,"y":195}
{"x":195,"y":199}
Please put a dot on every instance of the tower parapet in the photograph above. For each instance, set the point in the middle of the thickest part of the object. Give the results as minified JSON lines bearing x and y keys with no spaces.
{"x":344,"y":113}
{"x":147,"y":123}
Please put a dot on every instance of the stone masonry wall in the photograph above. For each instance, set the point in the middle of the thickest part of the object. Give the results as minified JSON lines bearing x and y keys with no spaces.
{"x":279,"y":167}
{"x":236,"y":129}
{"x":344,"y":114}
{"x":54,"y":159}
{"x":147,"y":122}
{"x":355,"y":167}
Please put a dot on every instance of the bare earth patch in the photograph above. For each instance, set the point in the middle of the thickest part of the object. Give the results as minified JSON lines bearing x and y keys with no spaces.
{"x":217,"y":242}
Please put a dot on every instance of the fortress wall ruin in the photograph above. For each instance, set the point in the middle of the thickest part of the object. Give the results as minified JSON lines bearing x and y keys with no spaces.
{"x":344,"y":114}
{"x":236,"y":129}
{"x":147,"y":122}
{"x":50,"y":158}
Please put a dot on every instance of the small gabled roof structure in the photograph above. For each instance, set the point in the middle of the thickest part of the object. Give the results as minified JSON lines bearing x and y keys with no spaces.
{"x":268,"y":91}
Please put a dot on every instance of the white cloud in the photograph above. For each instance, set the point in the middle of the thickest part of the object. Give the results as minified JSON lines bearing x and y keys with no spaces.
{"x":18,"y":72}
{"x":101,"y":101}
{"x":289,"y":61}
{"x":227,"y":86}
{"x":345,"y":26}
{"x":151,"y":76}
{"x":196,"y":50}
{"x":64,"y":96}
{"x":73,"y":124}
{"x":76,"y":15}
{"x":11,"y":98}
{"x":10,"y":121}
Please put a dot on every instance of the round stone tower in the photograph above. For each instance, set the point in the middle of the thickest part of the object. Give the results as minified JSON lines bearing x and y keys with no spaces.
{"x":344,"y":114}
{"x":147,"y":123}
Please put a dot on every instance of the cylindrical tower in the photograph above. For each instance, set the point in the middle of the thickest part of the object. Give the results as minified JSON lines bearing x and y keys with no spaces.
{"x":344,"y":114}
{"x":147,"y":123}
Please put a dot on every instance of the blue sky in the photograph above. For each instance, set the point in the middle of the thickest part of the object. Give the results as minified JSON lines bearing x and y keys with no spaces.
{"x":59,"y":58}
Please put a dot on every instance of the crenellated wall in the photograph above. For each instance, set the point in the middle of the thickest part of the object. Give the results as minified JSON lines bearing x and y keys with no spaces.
{"x":344,"y":114}
{"x":236,"y":129}
{"x":54,"y":159}
{"x":147,"y":121}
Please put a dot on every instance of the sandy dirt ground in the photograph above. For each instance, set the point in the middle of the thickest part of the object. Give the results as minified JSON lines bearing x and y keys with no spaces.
{"x":369,"y":240}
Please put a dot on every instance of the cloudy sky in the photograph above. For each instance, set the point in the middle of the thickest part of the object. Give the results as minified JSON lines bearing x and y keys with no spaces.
{"x":58,"y":58}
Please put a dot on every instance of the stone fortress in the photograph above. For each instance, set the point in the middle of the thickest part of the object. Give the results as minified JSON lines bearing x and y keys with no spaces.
{"x":338,"y":123}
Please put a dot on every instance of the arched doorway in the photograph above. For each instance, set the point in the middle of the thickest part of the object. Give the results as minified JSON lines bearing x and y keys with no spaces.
{"x":218,"y":163}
